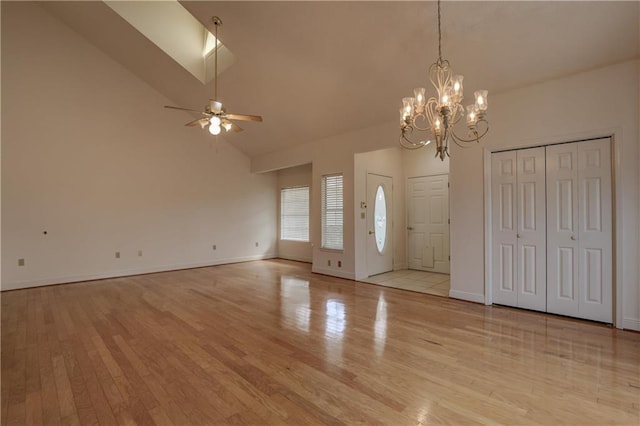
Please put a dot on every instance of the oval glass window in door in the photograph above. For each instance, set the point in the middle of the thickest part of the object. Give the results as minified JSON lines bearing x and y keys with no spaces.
{"x":380,"y":219}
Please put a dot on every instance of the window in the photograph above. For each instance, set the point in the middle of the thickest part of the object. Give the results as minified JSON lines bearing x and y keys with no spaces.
{"x":332,"y":212}
{"x":294,"y":213}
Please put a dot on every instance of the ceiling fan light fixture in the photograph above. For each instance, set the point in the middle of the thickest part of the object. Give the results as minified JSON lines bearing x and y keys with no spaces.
{"x":215,"y":120}
{"x":215,"y":129}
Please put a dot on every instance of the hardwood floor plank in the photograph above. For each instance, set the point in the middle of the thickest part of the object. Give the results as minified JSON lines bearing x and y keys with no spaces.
{"x":63,"y":386}
{"x":269,"y":342}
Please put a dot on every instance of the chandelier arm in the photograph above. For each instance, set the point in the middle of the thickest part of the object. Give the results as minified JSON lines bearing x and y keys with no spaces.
{"x":457,"y":112}
{"x":477,"y":135}
{"x":430,"y":108}
{"x":407,"y":143}
{"x":422,"y":117}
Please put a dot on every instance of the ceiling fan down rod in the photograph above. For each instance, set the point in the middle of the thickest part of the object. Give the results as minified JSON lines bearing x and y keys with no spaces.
{"x":217,"y":22}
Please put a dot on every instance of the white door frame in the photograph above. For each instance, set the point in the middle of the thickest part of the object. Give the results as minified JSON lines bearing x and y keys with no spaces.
{"x":615,"y":217}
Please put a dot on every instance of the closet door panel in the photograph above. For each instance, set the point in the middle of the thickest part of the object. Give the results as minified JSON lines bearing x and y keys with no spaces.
{"x":562,"y":229}
{"x":531,"y":229}
{"x":504,"y":247}
{"x":595,"y":230}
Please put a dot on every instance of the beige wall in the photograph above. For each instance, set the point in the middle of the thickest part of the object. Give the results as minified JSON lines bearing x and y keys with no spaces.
{"x":289,"y":178}
{"x":423,"y":162}
{"x":90,"y":156}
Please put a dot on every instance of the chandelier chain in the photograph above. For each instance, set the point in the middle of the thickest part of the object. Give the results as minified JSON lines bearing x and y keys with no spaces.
{"x":439,"y":36}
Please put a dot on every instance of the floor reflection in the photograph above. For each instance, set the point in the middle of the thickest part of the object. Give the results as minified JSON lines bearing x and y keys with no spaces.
{"x":294,"y":303}
{"x":380,"y":326}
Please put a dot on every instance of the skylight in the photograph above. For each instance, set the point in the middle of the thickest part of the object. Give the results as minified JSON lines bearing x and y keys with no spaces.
{"x":178,"y":33}
{"x":210,"y":43}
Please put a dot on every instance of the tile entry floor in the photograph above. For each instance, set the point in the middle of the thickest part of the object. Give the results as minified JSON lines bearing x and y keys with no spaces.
{"x":420,"y":281}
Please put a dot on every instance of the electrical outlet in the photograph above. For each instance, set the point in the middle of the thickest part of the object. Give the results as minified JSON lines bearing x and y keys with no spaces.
{"x":139,"y":253}
{"x":20,"y":262}
{"x":214,"y":247}
{"x":117,"y":255}
{"x":257,"y":244}
{"x":328,"y":263}
{"x":339,"y":263}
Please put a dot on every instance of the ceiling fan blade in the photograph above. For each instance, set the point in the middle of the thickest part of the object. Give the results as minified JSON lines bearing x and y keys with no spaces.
{"x":200,"y":121}
{"x":235,"y":128}
{"x":243,"y":117}
{"x":182,"y":109}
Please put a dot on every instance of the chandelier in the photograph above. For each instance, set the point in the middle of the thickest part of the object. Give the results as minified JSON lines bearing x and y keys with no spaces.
{"x":439,"y":115}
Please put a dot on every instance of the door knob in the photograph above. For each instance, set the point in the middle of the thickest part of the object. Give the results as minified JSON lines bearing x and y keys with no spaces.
{"x":517,"y":235}
{"x":409,"y":228}
{"x":370,"y":232}
{"x":573,"y":237}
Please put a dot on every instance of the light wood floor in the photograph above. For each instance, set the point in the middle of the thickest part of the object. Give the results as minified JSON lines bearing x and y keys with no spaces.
{"x":270,"y":343}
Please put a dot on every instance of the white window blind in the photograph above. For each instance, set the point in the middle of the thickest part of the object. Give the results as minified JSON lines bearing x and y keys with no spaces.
{"x":294,"y":213}
{"x":332,"y":212}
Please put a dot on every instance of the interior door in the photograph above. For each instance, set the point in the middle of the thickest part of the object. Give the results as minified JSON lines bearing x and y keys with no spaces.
{"x":379,"y":224}
{"x":504,"y":224}
{"x":595,"y":231}
{"x":580,"y":282}
{"x":532,"y":229}
{"x":563,"y":230}
{"x":428,"y":223}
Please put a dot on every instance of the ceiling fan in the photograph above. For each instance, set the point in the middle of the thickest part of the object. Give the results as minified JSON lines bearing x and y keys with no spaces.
{"x":214,"y":115}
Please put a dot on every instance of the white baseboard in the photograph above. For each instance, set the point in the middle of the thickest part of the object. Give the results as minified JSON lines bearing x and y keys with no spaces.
{"x":631,"y":324}
{"x":463,"y":295}
{"x":296,"y":259}
{"x":129,"y":272}
{"x":332,"y":272}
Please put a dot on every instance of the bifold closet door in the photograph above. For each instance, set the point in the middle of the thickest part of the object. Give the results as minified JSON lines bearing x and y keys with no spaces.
{"x":519,"y":228}
{"x":503,"y":224}
{"x":579,"y":251}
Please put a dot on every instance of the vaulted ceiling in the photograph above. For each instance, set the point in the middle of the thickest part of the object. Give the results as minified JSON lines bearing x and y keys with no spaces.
{"x":317,"y":69}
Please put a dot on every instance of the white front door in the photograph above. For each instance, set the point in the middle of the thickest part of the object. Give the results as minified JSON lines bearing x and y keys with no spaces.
{"x":379,"y":224}
{"x":428,"y":223}
{"x":580,"y":230}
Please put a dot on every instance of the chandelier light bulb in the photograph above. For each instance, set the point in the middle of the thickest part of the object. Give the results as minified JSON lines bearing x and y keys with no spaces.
{"x":437,"y":125}
{"x":472,"y":115}
{"x":403,"y":116}
{"x":420,"y":100}
{"x":481,"y":99}
{"x":214,"y":129}
{"x":407,"y":104}
{"x":215,"y":121}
